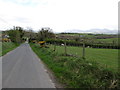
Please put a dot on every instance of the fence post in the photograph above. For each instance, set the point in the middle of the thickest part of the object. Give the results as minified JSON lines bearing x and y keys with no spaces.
{"x":55,"y":44}
{"x":83,"y":52}
{"x":65,"y":49}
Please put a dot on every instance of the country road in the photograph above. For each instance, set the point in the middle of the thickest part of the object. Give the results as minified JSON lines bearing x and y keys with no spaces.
{"x":21,"y":68}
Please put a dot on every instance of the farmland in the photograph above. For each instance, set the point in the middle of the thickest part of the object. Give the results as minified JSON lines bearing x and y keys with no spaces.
{"x":92,"y":40}
{"x":106,"y":57}
{"x":110,"y":40}
{"x":75,"y":72}
{"x":97,"y":69}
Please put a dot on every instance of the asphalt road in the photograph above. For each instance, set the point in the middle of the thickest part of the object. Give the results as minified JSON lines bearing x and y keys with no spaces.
{"x":21,"y":68}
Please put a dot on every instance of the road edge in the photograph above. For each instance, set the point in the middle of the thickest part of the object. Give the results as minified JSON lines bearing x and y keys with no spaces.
{"x":50,"y":73}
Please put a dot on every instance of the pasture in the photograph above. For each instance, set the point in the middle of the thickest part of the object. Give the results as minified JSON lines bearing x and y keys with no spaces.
{"x":109,"y":40}
{"x":75,"y":72}
{"x":106,"y":57}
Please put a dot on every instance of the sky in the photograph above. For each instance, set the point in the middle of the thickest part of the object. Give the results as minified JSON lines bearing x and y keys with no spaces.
{"x":59,"y":15}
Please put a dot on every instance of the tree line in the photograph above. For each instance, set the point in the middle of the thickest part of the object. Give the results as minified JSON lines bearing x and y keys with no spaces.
{"x":18,"y":34}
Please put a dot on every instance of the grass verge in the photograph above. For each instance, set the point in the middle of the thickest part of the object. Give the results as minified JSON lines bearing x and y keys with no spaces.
{"x":77,"y":72}
{"x":7,"y":46}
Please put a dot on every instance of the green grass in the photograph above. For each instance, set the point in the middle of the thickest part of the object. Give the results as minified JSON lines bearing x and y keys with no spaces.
{"x":77,"y":34}
{"x":109,"y":40}
{"x":6,"y":47}
{"x":106,"y":57}
{"x":76,"y":72}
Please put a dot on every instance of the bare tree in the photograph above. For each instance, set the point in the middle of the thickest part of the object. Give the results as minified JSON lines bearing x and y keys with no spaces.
{"x":45,"y":33}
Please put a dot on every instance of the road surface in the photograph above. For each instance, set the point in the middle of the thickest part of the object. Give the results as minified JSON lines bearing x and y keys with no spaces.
{"x":21,"y":68}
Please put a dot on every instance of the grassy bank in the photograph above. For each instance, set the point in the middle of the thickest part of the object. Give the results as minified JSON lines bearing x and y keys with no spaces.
{"x":7,"y":46}
{"x":77,"y":72}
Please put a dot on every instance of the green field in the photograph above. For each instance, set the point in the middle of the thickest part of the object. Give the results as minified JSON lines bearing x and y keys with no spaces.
{"x":106,"y":57}
{"x":110,"y":40}
{"x":6,"y":47}
{"x":75,"y":72}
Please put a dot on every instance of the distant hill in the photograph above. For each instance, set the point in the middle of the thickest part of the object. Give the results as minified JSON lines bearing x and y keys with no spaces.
{"x":95,"y":31}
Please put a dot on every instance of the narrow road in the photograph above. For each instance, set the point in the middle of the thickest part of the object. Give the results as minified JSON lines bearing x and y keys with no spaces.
{"x":21,"y":68}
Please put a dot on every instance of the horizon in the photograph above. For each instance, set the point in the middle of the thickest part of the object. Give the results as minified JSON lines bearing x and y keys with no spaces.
{"x":77,"y":32}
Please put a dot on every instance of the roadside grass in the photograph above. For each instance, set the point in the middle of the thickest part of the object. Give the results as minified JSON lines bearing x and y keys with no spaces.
{"x":106,"y":57}
{"x":7,"y":46}
{"x":77,"y":72}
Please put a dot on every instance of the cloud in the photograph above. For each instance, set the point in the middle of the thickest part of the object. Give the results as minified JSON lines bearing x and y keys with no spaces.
{"x":60,"y":15}
{"x":27,"y":2}
{"x":19,"y":1}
